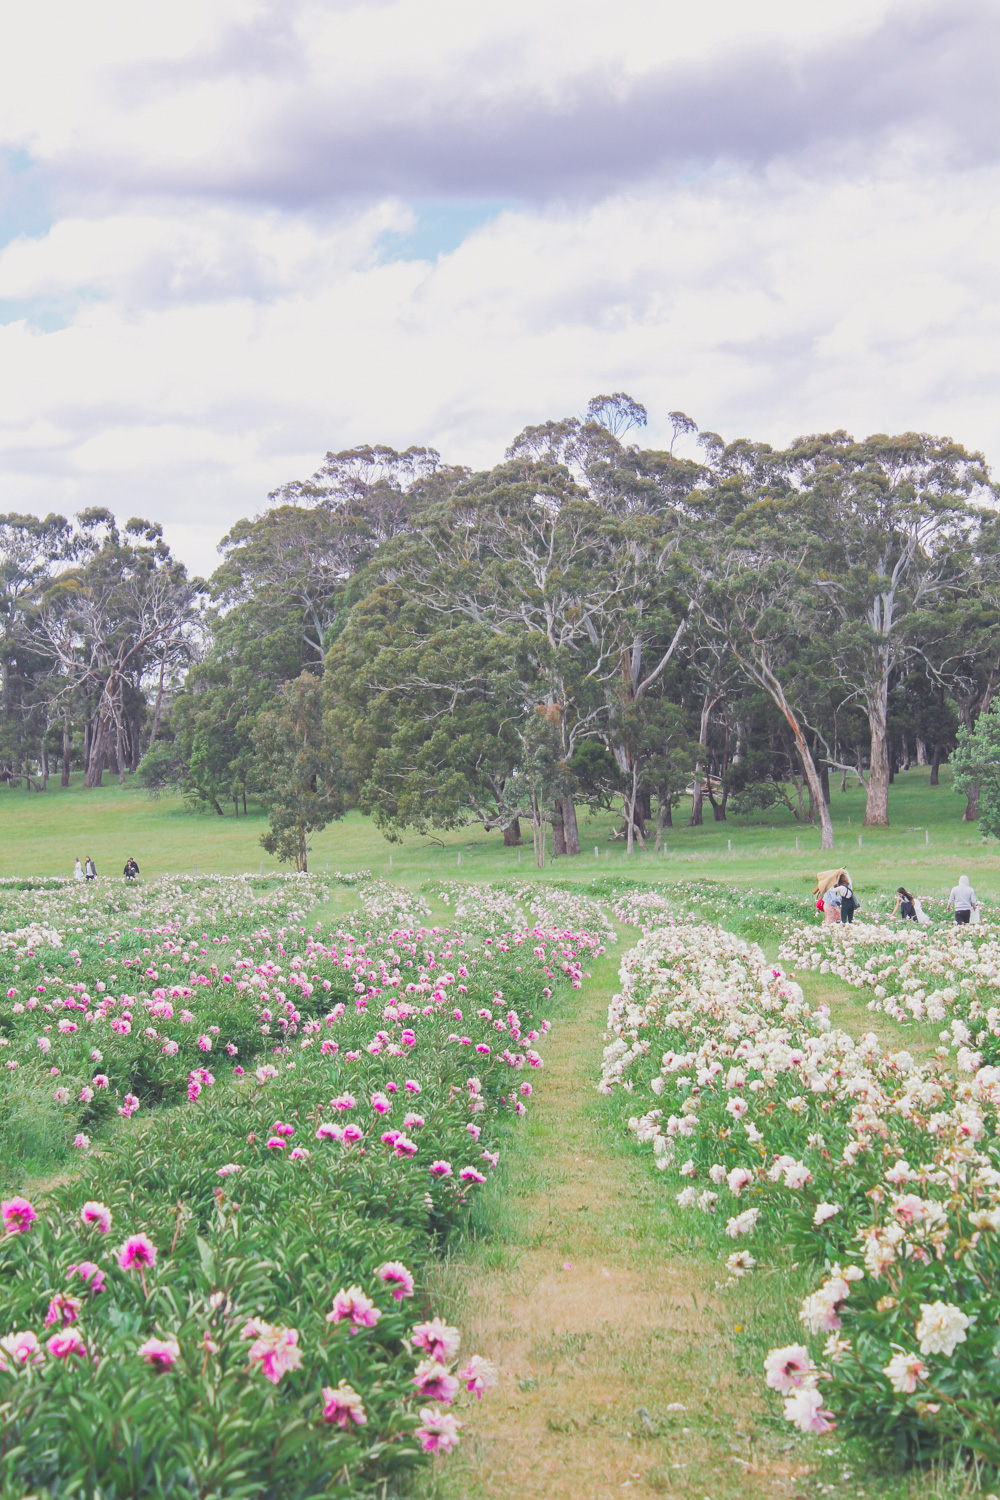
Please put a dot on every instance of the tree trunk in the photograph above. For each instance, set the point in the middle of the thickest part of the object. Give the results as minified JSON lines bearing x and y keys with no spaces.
{"x":697,"y":799}
{"x":512,"y":833}
{"x":159,"y":704}
{"x":64,"y":781}
{"x":558,"y":831}
{"x":301,"y":864}
{"x":571,"y":831}
{"x":843,"y":782}
{"x":659,"y":826}
{"x":921,"y":752}
{"x":935,"y":763}
{"x":718,"y":808}
{"x":824,"y":781}
{"x":98,"y":753}
{"x":121,"y":755}
{"x":877,"y":804}
{"x":971,"y":814}
{"x":667,"y":811}
{"x":244,"y":790}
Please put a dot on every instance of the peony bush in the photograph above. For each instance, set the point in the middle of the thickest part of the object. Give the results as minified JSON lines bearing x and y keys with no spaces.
{"x":273,"y":1130}
{"x":778,"y":1129}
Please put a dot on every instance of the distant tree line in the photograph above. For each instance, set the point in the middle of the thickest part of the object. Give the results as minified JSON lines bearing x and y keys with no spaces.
{"x":589,"y":623}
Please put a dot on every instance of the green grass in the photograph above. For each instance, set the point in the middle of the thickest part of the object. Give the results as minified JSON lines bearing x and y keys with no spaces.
{"x":41,"y":834}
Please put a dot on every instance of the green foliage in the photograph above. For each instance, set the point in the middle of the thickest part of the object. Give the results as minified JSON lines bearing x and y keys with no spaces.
{"x":976,"y":767}
{"x":300,"y":774}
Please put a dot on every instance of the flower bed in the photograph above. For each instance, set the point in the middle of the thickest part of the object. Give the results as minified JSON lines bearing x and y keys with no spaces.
{"x":225,"y":1296}
{"x":776,"y":1129}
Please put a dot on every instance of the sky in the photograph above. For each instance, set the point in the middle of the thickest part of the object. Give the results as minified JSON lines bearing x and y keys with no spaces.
{"x":235,"y":234}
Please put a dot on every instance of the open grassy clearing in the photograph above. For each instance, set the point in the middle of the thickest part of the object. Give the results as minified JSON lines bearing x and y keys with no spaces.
{"x":42,"y":834}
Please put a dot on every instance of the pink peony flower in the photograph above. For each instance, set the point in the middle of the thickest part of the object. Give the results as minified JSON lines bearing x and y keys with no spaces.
{"x":299,"y":1153}
{"x":788,"y":1368}
{"x":81,"y":1140}
{"x":343,"y":1406}
{"x":18,"y":1215}
{"x":138,"y":1250}
{"x":228,"y":1169}
{"x":275,"y":1143}
{"x":397,"y":1278}
{"x":438,"y":1432}
{"x":471,"y":1174}
{"x":433,"y":1381}
{"x":804,"y":1407}
{"x":354,"y":1306}
{"x":274,"y":1349}
{"x":437,"y":1339}
{"x":160,"y":1353}
{"x":62,"y":1345}
{"x":89,"y":1272}
{"x":440,"y":1169}
{"x":478,"y":1376}
{"x":63,"y":1310}
{"x":23,"y":1348}
{"x":97,"y":1214}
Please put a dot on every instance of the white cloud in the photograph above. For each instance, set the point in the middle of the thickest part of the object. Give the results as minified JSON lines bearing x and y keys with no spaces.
{"x":764,"y":308}
{"x":767,"y":216}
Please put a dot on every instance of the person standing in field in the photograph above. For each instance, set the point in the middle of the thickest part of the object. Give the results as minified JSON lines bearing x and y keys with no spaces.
{"x":90,"y":869}
{"x":832,"y":900}
{"x":826,"y":882}
{"x":78,"y":871}
{"x":963,"y":900}
{"x":131,"y":869}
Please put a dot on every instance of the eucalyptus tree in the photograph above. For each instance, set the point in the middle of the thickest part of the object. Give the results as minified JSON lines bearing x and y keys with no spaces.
{"x":300,"y":776}
{"x":31,"y":552}
{"x":426,"y":714}
{"x":295,"y":559}
{"x":125,"y":607}
{"x":889,"y":533}
{"x":522,"y":552}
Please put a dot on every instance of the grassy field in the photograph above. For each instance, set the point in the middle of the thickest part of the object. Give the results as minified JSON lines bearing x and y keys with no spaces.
{"x":926,"y":847}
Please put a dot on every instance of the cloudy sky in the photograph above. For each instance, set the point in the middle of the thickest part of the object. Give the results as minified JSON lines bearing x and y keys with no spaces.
{"x":237,"y":233}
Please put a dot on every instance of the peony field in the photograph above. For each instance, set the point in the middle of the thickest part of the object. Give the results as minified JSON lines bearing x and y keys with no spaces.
{"x":266,"y":1141}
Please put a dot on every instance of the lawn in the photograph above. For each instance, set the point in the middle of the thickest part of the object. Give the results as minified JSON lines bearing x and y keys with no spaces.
{"x":926,"y":847}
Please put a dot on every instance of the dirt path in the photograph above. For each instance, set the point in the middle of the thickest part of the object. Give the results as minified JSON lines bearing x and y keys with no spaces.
{"x":619,"y":1367}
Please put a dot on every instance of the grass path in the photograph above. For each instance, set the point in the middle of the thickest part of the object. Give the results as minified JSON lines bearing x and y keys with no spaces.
{"x":620,"y":1370}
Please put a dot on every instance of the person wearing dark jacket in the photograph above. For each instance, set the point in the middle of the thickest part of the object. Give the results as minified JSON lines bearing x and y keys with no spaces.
{"x":131,"y":869}
{"x":90,"y":869}
{"x":849,"y":903}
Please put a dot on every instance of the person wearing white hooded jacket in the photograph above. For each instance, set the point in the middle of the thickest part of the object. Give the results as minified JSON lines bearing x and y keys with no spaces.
{"x":962,"y":900}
